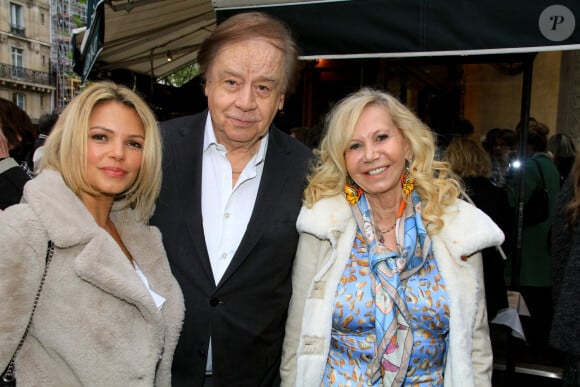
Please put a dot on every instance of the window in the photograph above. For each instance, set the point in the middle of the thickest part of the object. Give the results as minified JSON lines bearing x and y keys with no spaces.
{"x":42,"y":101}
{"x":17,"y":63}
{"x":16,"y":19}
{"x":20,"y":100}
{"x":42,"y":18}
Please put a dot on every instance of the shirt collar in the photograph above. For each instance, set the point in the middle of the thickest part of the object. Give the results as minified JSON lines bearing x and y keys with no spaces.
{"x":209,"y":139}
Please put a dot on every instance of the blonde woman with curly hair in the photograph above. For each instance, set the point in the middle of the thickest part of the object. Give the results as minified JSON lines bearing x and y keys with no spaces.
{"x":387,"y":282}
{"x":110,"y":310}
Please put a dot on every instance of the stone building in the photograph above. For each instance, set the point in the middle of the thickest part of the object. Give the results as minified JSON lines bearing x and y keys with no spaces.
{"x":25,"y":44}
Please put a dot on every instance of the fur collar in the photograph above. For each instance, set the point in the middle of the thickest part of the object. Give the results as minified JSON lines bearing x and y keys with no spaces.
{"x":68,"y":223}
{"x":62,"y":213}
{"x":466,"y":228}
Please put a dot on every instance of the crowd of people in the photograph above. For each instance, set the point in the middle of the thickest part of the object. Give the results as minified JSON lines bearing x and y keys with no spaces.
{"x":217,"y":250}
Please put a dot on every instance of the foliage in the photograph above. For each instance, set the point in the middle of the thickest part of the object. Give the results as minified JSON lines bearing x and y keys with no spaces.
{"x":181,"y":76}
{"x":78,"y":20}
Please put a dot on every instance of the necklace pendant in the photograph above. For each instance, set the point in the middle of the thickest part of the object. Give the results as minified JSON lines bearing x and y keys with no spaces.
{"x":382,"y":239}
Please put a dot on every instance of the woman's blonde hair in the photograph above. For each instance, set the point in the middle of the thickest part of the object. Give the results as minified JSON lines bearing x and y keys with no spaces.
{"x":467,"y":157}
{"x":66,"y":147}
{"x":433,"y":180}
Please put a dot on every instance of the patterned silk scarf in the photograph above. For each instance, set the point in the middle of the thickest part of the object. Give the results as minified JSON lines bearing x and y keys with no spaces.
{"x":394,"y":339}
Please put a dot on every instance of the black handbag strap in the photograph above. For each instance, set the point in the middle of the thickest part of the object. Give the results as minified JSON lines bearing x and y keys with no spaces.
{"x":8,"y":375}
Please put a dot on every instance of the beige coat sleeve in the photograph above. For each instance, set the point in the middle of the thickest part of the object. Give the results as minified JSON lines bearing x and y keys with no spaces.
{"x":308,"y":255}
{"x":481,"y":355}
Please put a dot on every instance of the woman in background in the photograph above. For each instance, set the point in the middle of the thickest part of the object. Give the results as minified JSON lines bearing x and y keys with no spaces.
{"x":563,"y":152}
{"x":565,"y":331}
{"x":535,"y":274}
{"x":469,"y":160}
{"x":499,"y":143}
{"x":17,"y":137}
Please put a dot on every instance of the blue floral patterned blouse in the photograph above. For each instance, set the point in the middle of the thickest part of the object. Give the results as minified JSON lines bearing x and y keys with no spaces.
{"x":353,"y":331}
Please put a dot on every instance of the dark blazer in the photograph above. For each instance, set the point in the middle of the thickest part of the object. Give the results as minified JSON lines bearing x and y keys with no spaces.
{"x":245,"y":313}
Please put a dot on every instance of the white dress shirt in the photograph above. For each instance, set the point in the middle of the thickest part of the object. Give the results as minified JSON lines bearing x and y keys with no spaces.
{"x":226,"y":211}
{"x":157,"y":298}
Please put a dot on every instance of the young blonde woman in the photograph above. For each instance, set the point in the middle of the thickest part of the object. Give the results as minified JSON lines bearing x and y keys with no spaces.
{"x":110,"y":311}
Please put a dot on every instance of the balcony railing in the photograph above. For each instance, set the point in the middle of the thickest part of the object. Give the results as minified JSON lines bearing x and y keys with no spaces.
{"x":18,"y":73}
{"x":17,"y":30}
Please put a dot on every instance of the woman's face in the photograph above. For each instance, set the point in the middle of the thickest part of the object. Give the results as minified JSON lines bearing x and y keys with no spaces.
{"x":375,"y":156}
{"x":115,"y":148}
{"x":4,"y":143}
{"x":500,"y":149}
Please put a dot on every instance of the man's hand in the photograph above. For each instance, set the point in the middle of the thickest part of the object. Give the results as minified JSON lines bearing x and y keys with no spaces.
{"x":4,"y":150}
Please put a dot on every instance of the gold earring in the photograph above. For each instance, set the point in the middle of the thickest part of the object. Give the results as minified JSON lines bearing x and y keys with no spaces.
{"x":407,"y":181}
{"x":352,"y":193}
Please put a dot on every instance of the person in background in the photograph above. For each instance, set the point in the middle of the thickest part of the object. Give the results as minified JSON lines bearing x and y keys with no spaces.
{"x":228,"y":207}
{"x":45,"y":125}
{"x":498,"y":143}
{"x":110,"y":310}
{"x":563,"y":152}
{"x":388,"y":277}
{"x":565,"y":331}
{"x":468,"y":159}
{"x":17,"y":136}
{"x":535,"y":277}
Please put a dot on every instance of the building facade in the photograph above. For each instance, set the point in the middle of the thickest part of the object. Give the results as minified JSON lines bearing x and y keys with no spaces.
{"x":35,"y":53}
{"x":25,"y":45}
{"x":66,"y":15}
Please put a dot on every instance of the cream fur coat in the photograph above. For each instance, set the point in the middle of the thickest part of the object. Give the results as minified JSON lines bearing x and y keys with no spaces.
{"x":96,"y":323}
{"x":327,"y":232}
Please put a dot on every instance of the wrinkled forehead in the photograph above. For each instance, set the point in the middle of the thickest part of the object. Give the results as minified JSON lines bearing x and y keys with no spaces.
{"x":256,"y":49}
{"x":258,"y":57}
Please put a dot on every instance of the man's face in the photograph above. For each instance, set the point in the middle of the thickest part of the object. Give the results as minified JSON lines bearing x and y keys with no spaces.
{"x":244,"y":91}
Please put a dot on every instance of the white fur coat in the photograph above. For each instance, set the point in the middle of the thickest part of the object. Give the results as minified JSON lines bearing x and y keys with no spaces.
{"x":96,"y":323}
{"x":327,"y":232}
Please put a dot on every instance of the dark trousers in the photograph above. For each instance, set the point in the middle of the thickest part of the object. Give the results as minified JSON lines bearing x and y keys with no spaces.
{"x":537,"y":327}
{"x":208,"y":381}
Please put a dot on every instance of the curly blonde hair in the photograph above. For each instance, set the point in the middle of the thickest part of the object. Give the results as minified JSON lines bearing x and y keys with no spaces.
{"x":434,"y":181}
{"x":66,"y":148}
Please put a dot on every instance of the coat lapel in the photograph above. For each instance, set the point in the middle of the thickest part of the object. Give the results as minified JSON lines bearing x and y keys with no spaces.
{"x":188,"y":175}
{"x":271,"y":185}
{"x":102,"y":264}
